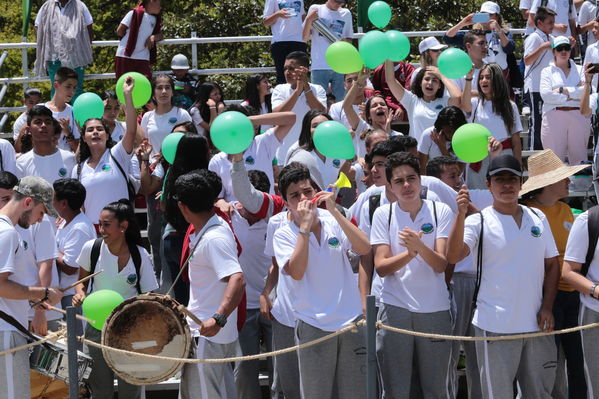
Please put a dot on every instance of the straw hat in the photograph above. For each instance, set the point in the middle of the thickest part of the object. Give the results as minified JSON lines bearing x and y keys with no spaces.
{"x":544,"y":169}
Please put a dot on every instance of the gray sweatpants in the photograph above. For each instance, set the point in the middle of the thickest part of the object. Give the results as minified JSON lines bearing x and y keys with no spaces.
{"x":209,"y":380}
{"x":255,"y":330}
{"x":334,"y":366}
{"x":101,"y":379}
{"x":14,"y":367}
{"x":590,"y":346}
{"x":396,"y":353}
{"x":286,"y":366}
{"x":530,"y":361}
{"x":463,"y":290}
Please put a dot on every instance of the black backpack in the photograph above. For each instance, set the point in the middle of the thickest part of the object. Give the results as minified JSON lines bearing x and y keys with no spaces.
{"x":593,"y":229}
{"x":135,"y":255}
{"x":374,"y":201}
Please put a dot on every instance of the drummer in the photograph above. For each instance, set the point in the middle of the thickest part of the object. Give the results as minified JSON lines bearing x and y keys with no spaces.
{"x":120,"y":237}
{"x":25,"y":205}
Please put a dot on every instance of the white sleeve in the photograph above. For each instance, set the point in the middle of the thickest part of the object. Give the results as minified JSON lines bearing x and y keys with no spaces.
{"x":575,"y":92}
{"x":531,"y":43}
{"x":584,"y":16}
{"x":215,"y":167}
{"x":550,"y":247}
{"x":283,"y":245}
{"x":593,"y":103}
{"x":9,"y":158}
{"x":127,"y":19}
{"x":445,"y":219}
{"x":379,"y":231}
{"x":277,"y":97}
{"x":183,"y":116}
{"x":578,"y":240}
{"x":73,"y":245}
{"x":546,"y":88}
{"x":408,"y":100}
{"x":270,"y":7}
{"x":446,"y":194}
{"x":222,"y":256}
{"x":517,"y":119}
{"x":425,"y":143}
{"x":472,"y":231}
{"x":9,"y":242}
{"x":147,"y":278}
{"x":348,"y":28}
{"x":321,"y":94}
{"x":144,"y":124}
{"x":84,"y":259}
{"x":524,"y":5}
{"x":87,"y":15}
{"x":44,"y":240}
{"x":534,"y":6}
{"x":120,"y":154}
{"x":364,"y":222}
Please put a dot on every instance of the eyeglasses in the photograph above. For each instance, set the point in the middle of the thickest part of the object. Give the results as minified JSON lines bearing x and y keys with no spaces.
{"x":563,"y":47}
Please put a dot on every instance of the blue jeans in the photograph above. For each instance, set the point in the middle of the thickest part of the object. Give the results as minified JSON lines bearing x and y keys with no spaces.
{"x":325,"y":76}
{"x":53,"y":66}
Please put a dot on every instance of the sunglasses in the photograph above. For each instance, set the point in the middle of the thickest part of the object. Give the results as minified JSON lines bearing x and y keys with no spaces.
{"x":563,"y":47}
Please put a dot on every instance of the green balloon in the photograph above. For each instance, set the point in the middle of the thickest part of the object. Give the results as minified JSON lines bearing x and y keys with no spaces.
{"x":454,"y":63}
{"x":379,"y":13}
{"x":374,"y":47}
{"x":87,"y":106}
{"x":169,"y":146}
{"x":98,"y":305}
{"x":343,"y":57}
{"x":470,"y":142}
{"x":232,"y":132}
{"x":399,"y":45}
{"x":142,"y":91}
{"x":333,"y":140}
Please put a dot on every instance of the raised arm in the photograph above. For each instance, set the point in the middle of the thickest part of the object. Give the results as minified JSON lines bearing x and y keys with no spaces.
{"x":310,"y":18}
{"x":283,"y":122}
{"x":348,"y":101}
{"x":466,"y":100}
{"x":456,"y":247}
{"x":585,"y":108}
{"x":466,"y":21}
{"x":128,"y":140}
{"x":396,"y":88}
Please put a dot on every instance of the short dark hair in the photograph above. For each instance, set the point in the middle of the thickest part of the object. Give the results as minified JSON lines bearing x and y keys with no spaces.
{"x":7,"y":180}
{"x":302,"y":58}
{"x":259,"y":180}
{"x":543,"y":13}
{"x":386,"y":148}
{"x":63,"y":74}
{"x":398,"y":159}
{"x":451,"y":116}
{"x":71,"y":190}
{"x":434,"y":167}
{"x":406,"y":141}
{"x":416,"y":85}
{"x":38,"y":110}
{"x":472,"y":34}
{"x":198,"y":190}
{"x":292,"y":173}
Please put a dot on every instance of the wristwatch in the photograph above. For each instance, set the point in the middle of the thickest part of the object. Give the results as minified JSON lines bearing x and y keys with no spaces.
{"x":561,"y":90}
{"x":592,"y":291}
{"x":220,"y":319}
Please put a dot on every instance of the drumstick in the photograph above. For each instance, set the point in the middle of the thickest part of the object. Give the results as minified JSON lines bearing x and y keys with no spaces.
{"x":195,"y":318}
{"x":83,"y":280}
{"x":82,"y":318}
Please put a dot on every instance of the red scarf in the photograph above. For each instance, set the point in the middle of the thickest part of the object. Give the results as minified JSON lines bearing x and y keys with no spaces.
{"x":136,"y":18}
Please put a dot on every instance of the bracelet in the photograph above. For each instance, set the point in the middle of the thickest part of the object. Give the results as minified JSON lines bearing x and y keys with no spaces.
{"x":46,"y":294}
{"x":308,"y":91}
{"x":304,"y":232}
{"x":212,"y":107}
{"x":592,"y":291}
{"x":468,"y":80}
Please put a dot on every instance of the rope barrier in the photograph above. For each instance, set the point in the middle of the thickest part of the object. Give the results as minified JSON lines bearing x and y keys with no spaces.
{"x":379,"y":324}
{"x":352,"y":327}
{"x":52,"y":336}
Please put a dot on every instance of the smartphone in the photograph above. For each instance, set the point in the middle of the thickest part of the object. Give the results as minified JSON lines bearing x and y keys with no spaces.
{"x":594,"y":68}
{"x":480,"y":17}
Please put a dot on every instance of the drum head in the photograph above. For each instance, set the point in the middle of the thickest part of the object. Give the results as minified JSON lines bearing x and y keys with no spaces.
{"x":148,"y":324}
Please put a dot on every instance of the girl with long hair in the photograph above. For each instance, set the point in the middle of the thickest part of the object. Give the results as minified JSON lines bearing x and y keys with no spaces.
{"x":257,"y":95}
{"x":210,"y":102}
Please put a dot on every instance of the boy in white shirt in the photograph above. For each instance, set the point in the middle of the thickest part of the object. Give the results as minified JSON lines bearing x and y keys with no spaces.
{"x":216,"y":288}
{"x":65,"y":84}
{"x":312,"y":249}
{"x":518,"y":283}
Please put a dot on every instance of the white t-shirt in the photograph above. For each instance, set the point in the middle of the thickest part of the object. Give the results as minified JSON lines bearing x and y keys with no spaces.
{"x":592,"y":55}
{"x":197,"y":119}
{"x":482,"y":113}
{"x":213,"y":260}
{"x":461,"y":82}
{"x":562,"y":8}
{"x":593,"y":106}
{"x":19,"y":123}
{"x":146,"y":28}
{"x":427,"y":146}
{"x":587,"y":13}
{"x":416,"y":287}
{"x":87,"y":17}
{"x":123,"y":281}
{"x":119,"y":131}
{"x":258,"y":156}
{"x":9,"y":159}
{"x":157,"y":126}
{"x":576,"y":251}
{"x":511,"y":289}
{"x":67,"y":112}
{"x":279,"y":95}
{"x":70,"y":238}
{"x":12,"y":261}
{"x":50,"y":167}
{"x":105,"y":183}
{"x":532,"y":72}
{"x":422,"y":114}
{"x":339,"y":22}
{"x":337,"y":113}
{"x":553,"y":77}
{"x":253,"y":261}
{"x":495,"y":51}
{"x":263,"y":110}
{"x":327,"y":296}
{"x":286,"y":29}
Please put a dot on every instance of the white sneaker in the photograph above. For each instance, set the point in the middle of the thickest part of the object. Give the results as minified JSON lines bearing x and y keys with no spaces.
{"x":526,"y":111}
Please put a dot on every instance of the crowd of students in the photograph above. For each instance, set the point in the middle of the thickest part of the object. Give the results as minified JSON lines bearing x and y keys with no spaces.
{"x":272,"y":256}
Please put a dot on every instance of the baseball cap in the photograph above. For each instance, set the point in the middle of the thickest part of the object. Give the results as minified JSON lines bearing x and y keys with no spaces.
{"x":559,"y":41}
{"x":430,"y":43}
{"x":490,"y":7}
{"x":38,"y":189}
{"x":505,"y":163}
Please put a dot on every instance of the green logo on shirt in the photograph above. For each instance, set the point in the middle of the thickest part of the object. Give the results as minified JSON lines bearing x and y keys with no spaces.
{"x":427,"y":228}
{"x":62,"y":172}
{"x":131,"y":279}
{"x":25,"y":245}
{"x":336,"y":163}
{"x":172,"y":120}
{"x":535,"y":231}
{"x":333,"y":242}
{"x":106,"y":167}
{"x":250,"y":160}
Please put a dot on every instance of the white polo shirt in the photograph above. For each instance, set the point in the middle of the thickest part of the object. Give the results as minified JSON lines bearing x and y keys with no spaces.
{"x":70,"y":239}
{"x":511,"y":289}
{"x":339,"y":22}
{"x":9,"y":159}
{"x":338,"y":114}
{"x":327,"y":296}
{"x":416,"y":286}
{"x":214,"y":259}
{"x":422,"y":114}
{"x":67,"y":112}
{"x":562,"y":8}
{"x":49,"y":167}
{"x":157,"y":126}
{"x":576,"y":251}
{"x":482,"y":113}
{"x":286,"y":29}
{"x":532,"y":72}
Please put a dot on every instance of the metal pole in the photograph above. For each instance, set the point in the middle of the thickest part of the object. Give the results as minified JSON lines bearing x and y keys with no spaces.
{"x":194,"y":52}
{"x":24,"y":62}
{"x":72,"y":351}
{"x":371,"y":385}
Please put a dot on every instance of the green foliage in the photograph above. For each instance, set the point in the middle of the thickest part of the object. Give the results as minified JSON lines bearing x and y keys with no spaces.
{"x":216,"y":18}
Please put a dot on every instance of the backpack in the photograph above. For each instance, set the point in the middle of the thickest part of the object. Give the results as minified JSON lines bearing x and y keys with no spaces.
{"x":593,"y":229}
{"x":135,"y":256}
{"x":374,"y":201}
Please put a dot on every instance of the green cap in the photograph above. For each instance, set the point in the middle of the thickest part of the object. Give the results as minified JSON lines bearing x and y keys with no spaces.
{"x":38,"y":189}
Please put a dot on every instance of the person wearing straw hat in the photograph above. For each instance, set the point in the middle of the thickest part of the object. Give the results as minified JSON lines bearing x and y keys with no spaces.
{"x":517,"y":274}
{"x":546,"y":186}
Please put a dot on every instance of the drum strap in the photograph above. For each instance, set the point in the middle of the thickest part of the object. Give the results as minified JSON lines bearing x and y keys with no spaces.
{"x":13,"y":322}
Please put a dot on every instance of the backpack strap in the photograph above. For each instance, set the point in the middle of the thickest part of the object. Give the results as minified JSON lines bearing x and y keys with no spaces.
{"x":593,"y":229}
{"x":435,"y":213}
{"x":136,"y":257}
{"x":374,"y":201}
{"x":130,"y":188}
{"x":390,"y":212}
{"x":479,"y":264}
{"x":95,"y":254}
